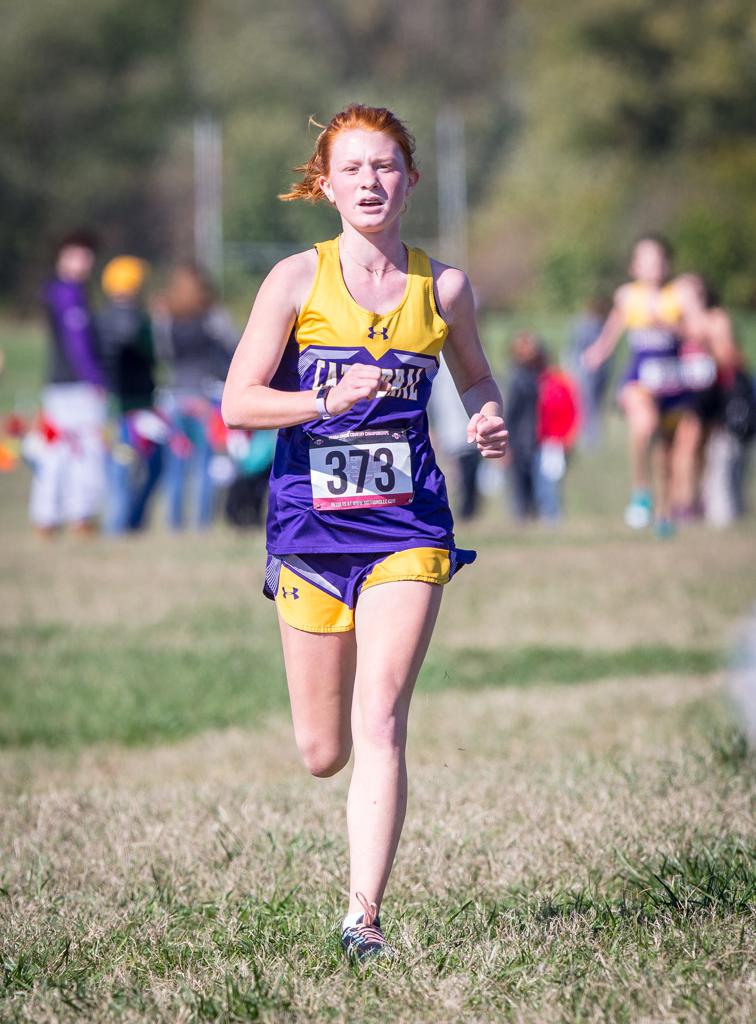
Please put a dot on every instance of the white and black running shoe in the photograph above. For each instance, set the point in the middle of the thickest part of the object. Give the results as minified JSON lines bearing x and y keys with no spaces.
{"x":364,"y":940}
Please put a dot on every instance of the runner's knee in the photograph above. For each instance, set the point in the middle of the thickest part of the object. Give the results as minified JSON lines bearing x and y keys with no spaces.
{"x":323,"y":758}
{"x":643,"y":420}
{"x":688,"y":435}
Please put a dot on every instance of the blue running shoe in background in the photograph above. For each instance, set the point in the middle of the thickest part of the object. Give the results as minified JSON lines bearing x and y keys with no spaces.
{"x":638,"y":513}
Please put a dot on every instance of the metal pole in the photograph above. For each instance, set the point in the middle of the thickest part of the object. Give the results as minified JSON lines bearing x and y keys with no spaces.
{"x":452,"y":186}
{"x":208,"y":195}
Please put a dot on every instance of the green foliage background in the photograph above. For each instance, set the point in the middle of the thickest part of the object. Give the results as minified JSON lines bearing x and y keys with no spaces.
{"x":586,"y":124}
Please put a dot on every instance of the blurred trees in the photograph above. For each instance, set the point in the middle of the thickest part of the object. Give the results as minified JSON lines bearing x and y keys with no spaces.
{"x":586,"y":123}
{"x":293,"y":59}
{"x":89,"y":90}
{"x":636,"y":116}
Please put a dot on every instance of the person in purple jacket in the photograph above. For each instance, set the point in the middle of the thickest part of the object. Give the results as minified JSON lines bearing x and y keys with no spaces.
{"x":67,"y":486}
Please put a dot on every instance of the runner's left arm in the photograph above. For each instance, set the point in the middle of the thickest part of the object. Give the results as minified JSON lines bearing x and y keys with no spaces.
{"x":614,"y":327}
{"x":468,"y":364}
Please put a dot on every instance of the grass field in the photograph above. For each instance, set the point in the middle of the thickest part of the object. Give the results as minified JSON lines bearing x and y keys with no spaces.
{"x":580,"y":843}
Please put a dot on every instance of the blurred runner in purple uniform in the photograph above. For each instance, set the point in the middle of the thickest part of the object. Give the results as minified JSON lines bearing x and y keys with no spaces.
{"x":650,"y":310}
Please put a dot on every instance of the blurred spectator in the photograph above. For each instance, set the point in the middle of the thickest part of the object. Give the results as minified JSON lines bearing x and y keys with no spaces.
{"x":252,"y":454}
{"x":557,"y":424}
{"x":449,"y":426}
{"x":137,"y":433}
{"x":740,"y":422}
{"x":521,"y":418}
{"x":592,"y":383}
{"x":541,"y":414}
{"x":67,"y":451}
{"x":196,"y":338}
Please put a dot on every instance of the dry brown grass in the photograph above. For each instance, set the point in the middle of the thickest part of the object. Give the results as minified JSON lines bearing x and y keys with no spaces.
{"x":202,"y":880}
{"x":588,"y":586}
{"x":540,"y":791}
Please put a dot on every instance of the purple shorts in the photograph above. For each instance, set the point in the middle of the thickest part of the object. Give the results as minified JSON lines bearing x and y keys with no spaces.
{"x":318,"y":593}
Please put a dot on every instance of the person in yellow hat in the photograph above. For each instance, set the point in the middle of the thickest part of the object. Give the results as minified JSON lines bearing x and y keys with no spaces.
{"x":124,"y":277}
{"x":137,"y":432}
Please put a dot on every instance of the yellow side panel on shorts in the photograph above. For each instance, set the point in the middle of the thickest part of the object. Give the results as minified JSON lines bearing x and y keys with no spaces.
{"x":430,"y":565}
{"x":309,"y":608}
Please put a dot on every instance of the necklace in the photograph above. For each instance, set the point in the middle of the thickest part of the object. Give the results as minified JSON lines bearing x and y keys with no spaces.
{"x":376,"y":274}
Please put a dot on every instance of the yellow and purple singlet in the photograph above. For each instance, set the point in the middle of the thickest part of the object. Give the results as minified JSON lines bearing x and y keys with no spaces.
{"x":363,"y":484}
{"x":654,"y":340}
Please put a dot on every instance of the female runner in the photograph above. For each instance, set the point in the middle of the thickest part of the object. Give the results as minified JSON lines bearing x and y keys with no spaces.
{"x":650,"y":308}
{"x":339,"y":352}
{"x":709,"y":360}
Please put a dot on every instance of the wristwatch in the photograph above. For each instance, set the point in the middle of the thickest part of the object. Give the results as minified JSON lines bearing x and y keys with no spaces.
{"x":320,"y":402}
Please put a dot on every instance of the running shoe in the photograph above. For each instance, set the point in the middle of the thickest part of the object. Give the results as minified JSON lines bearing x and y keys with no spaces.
{"x":365,"y":940}
{"x":664,"y":529}
{"x":638,"y":512}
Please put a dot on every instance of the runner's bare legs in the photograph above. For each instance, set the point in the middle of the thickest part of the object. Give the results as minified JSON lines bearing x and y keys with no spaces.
{"x":369,"y":675}
{"x":320,"y":671}
{"x":642,"y":422}
{"x":394,"y":624}
{"x":686,"y":462}
{"x":662,"y":462}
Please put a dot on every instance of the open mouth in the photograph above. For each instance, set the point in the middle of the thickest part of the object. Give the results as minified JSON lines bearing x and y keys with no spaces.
{"x":370,"y":202}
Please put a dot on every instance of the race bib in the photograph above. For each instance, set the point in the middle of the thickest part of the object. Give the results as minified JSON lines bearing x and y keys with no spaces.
{"x":698,"y":371}
{"x":660,"y":374}
{"x":361,"y":469}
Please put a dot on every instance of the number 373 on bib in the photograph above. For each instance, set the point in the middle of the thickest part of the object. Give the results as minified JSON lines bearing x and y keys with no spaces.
{"x":361,"y":469}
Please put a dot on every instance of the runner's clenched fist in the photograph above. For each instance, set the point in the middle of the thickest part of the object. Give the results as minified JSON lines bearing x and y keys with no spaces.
{"x":489,"y":434}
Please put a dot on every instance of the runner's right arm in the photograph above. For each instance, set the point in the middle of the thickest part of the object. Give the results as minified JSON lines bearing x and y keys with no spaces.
{"x":601,"y":349}
{"x":249,"y":403}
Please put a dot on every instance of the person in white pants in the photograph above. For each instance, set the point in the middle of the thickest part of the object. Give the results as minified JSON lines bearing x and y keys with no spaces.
{"x":68,"y":457}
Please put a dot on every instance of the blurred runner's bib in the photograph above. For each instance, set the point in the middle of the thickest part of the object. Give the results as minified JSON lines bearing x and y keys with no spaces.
{"x":660,"y":374}
{"x":361,"y":469}
{"x":697,"y":370}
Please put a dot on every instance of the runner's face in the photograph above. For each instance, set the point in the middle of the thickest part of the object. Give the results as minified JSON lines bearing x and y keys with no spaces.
{"x":649,"y":263}
{"x":367,"y":179}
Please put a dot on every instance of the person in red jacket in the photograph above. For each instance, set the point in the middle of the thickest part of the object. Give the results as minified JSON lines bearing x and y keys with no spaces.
{"x":558,"y":422}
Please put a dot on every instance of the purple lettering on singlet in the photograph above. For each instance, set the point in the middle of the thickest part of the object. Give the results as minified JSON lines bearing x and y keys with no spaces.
{"x":294,"y":525}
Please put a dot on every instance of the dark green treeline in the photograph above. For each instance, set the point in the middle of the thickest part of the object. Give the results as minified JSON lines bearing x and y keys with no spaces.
{"x":586,"y":123}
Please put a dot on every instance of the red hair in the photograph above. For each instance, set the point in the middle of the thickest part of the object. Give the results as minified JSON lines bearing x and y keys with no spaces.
{"x":372,"y":119}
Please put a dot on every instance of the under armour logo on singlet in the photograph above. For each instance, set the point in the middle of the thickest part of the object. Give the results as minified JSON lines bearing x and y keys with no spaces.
{"x":383,"y":331}
{"x":294,"y":592}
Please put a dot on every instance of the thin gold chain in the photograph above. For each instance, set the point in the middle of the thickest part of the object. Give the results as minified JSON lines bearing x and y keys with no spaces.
{"x":377,"y":274}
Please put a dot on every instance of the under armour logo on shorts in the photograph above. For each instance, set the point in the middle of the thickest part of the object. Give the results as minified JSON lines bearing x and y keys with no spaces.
{"x":383,"y":331}
{"x":293,"y":592}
